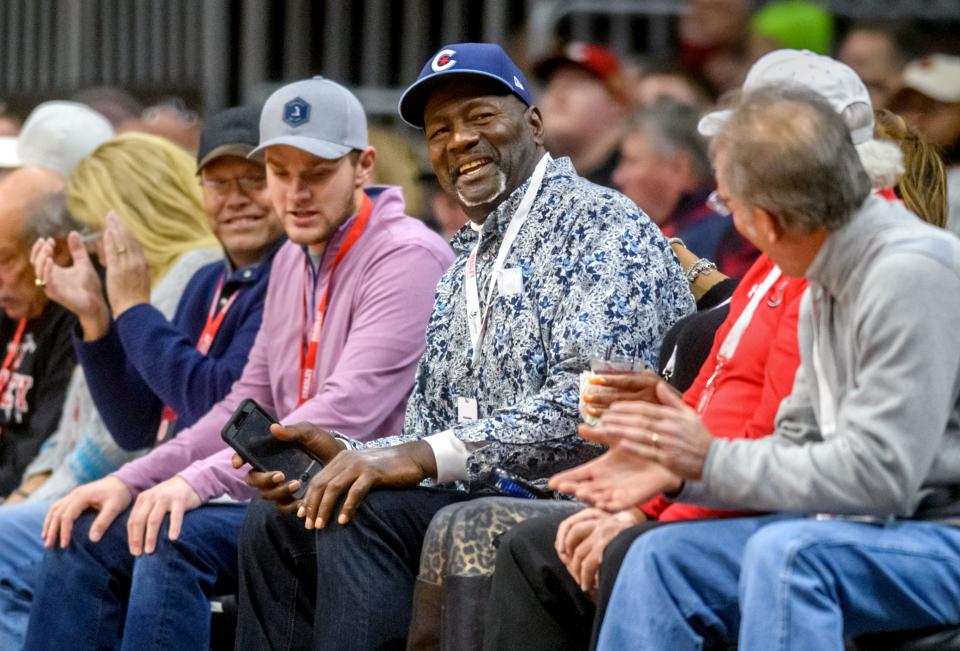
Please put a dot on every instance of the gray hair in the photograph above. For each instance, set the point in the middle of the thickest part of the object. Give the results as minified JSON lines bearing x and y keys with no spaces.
{"x":789,"y":152}
{"x":47,"y":216}
{"x":672,"y":127}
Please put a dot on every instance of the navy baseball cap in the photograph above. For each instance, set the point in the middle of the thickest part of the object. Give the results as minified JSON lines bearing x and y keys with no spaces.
{"x":231,"y":132}
{"x":474,"y":59}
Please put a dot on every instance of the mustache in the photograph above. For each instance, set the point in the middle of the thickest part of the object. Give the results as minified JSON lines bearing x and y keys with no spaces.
{"x":454,"y":168}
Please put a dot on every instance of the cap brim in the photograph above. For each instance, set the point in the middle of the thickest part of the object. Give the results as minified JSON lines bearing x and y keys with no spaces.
{"x":315,"y":146}
{"x":711,"y":123}
{"x":414,"y":98}
{"x":240,"y":150}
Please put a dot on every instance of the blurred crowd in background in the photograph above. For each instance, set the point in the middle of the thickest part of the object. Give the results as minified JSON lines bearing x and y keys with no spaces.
{"x":630,"y":123}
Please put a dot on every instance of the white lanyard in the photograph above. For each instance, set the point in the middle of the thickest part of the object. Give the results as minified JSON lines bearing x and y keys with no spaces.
{"x":828,"y":411}
{"x":732,"y":341}
{"x":476,"y":319}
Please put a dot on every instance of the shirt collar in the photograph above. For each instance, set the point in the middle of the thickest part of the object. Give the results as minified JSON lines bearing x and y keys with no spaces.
{"x":835,"y":264}
{"x":374,"y":193}
{"x":251,"y":273}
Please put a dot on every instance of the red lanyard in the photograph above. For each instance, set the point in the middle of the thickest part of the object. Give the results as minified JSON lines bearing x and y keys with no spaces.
{"x":214,"y":319}
{"x":308,"y":351}
{"x":6,"y":371}
{"x":207,"y":335}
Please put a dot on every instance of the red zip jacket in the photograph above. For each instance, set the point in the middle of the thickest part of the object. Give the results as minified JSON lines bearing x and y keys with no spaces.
{"x":752,"y":383}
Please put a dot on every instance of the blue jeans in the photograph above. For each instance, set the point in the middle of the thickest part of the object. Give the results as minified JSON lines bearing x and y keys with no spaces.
{"x":98,"y":596}
{"x":21,"y":551}
{"x":781,"y":582}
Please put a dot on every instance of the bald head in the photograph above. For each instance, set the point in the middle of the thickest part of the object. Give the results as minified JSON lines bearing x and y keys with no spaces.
{"x":23,"y":188}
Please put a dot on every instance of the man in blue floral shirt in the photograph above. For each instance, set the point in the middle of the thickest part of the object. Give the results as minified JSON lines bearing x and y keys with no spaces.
{"x":551,"y":270}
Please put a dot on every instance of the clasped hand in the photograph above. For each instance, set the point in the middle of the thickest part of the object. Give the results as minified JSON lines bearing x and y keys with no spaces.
{"x":654,"y":446}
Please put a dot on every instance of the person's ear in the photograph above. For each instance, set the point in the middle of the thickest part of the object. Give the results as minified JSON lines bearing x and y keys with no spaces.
{"x":535,"y":122}
{"x":364,"y":172}
{"x":769,"y":228}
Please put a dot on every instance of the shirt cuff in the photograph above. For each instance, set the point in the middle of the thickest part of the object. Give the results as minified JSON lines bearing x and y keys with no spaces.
{"x":451,"y":454}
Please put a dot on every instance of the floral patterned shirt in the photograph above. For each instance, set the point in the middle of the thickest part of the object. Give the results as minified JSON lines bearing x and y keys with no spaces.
{"x":598,"y":278}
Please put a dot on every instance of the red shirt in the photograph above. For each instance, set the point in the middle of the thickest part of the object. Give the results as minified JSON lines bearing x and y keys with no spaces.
{"x":749,"y":388}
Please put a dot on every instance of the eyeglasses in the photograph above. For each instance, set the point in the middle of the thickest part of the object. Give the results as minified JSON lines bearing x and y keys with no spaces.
{"x":718,"y":205}
{"x":245,"y":184}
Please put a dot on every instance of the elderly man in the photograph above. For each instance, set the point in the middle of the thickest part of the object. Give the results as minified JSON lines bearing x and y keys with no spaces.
{"x":867,"y":441}
{"x":551,"y":270}
{"x":342,"y":329}
{"x":35,"y":333}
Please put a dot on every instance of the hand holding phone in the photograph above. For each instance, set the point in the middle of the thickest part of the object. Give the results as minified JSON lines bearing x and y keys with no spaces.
{"x":248,"y":432}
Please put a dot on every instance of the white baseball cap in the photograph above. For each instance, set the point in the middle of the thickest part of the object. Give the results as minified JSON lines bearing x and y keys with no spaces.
{"x":835,"y":81}
{"x":58,"y":135}
{"x":936,"y":76}
{"x":317,"y":115}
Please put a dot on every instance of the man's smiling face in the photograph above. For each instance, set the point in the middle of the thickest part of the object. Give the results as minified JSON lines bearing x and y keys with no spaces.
{"x":482,"y":146}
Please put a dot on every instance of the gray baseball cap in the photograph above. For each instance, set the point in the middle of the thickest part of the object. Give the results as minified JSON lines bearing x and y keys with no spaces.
{"x":317,"y":115}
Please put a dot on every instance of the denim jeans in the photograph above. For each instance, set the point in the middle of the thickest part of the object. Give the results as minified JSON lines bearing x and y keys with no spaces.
{"x":95,"y":595}
{"x":342,"y":587}
{"x":21,"y":551}
{"x":779,"y":582}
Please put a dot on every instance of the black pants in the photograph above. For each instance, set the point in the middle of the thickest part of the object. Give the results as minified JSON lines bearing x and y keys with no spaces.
{"x":535,"y":603}
{"x":343,"y":587}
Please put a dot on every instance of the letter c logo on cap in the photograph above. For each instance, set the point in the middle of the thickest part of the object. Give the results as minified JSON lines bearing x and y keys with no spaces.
{"x":443,"y":60}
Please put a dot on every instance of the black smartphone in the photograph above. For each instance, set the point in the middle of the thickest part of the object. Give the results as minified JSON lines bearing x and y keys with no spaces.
{"x":248,"y":432}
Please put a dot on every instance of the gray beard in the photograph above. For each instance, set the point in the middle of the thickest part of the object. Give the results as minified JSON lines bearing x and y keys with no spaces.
{"x":501,"y":186}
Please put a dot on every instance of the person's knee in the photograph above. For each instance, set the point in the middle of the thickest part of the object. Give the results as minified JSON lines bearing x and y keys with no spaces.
{"x":616,"y":550}
{"x":263,"y":519}
{"x":535,"y":536}
{"x":80,"y":536}
{"x":777,"y":545}
{"x":660,"y":549}
{"x":376,"y":505}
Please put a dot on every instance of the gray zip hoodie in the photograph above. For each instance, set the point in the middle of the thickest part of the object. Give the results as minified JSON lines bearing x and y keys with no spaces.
{"x":884,"y":304}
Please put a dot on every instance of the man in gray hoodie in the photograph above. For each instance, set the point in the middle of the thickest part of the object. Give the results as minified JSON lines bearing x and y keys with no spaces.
{"x":863,"y":469}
